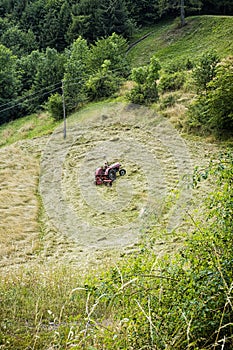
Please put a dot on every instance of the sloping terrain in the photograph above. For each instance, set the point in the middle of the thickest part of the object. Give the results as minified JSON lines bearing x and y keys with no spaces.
{"x":171,"y":44}
{"x":69,"y":219}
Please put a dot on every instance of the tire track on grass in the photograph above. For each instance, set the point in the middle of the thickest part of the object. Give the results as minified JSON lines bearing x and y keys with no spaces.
{"x":157,"y":161}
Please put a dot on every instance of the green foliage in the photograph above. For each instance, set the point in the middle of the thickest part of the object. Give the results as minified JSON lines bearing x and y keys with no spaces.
{"x":113,"y":48}
{"x":55,"y":106}
{"x":171,"y":82}
{"x":94,"y":72}
{"x":167,"y":101}
{"x":33,"y":18}
{"x":145,"y":78}
{"x":96,"y":19}
{"x":103,"y":83}
{"x":46,"y":78}
{"x":21,"y":43}
{"x":77,"y":70}
{"x":56,"y":21}
{"x":9,"y":83}
{"x":214,"y":109}
{"x":27,"y":65}
{"x":178,"y":66}
{"x":219,"y":98}
{"x":204,"y":71}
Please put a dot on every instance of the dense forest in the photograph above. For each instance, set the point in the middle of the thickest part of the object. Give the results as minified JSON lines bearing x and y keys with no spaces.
{"x":43,"y":43}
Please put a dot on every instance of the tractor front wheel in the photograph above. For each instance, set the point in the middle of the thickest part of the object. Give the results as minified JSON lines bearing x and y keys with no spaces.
{"x":122,"y":172}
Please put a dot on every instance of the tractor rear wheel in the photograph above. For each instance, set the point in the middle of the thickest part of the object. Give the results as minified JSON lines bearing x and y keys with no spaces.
{"x":112,"y":174}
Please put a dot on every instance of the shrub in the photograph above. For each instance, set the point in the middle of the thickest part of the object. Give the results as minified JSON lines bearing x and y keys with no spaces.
{"x":55,"y":106}
{"x":213,"y":110}
{"x":103,"y":83}
{"x":205,"y":70}
{"x":145,"y":77}
{"x":179,"y":66}
{"x":171,"y":82}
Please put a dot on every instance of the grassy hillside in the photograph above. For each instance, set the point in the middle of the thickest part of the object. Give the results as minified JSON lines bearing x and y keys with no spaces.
{"x":171,"y":43}
{"x":146,"y":264}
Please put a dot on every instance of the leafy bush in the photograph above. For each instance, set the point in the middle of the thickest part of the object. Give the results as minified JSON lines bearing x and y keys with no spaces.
{"x":179,"y":66}
{"x":219,"y":98}
{"x":214,"y":109}
{"x":145,"y":77}
{"x":55,"y":106}
{"x":103,"y":83}
{"x":171,"y":82}
{"x":204,"y":71}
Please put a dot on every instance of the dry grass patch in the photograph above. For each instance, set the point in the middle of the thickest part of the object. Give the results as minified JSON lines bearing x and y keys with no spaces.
{"x":19,"y":206}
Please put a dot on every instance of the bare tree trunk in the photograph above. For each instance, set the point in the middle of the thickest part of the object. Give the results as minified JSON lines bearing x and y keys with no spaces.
{"x":182,"y":14}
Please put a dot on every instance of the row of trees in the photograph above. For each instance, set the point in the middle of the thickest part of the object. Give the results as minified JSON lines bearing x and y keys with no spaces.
{"x":38,"y":24}
{"x":39,"y":50}
{"x":88,"y":72}
{"x":91,"y":72}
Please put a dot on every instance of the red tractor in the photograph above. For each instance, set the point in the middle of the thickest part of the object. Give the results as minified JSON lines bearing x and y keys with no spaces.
{"x":107,"y":174}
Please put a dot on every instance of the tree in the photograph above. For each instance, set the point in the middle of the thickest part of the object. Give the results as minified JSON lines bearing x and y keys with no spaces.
{"x":93,"y":19}
{"x":145,"y":78}
{"x":102,"y":83}
{"x":77,"y":71}
{"x":219,"y":97}
{"x":56,"y":21}
{"x":27,"y":66}
{"x":33,"y":18}
{"x":21,"y":43}
{"x":143,"y":12}
{"x":113,"y":48}
{"x":224,"y":7}
{"x":115,"y":18}
{"x":213,"y":110}
{"x":182,"y":14}
{"x":205,"y":70}
{"x":179,"y":8}
{"x":48,"y":76}
{"x":9,"y":84}
{"x":55,"y":106}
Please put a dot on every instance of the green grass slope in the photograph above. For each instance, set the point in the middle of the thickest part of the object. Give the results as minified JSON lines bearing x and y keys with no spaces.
{"x":169,"y":42}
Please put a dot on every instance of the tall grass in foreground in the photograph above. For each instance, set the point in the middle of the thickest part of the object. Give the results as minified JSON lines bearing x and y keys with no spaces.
{"x":183,"y":301}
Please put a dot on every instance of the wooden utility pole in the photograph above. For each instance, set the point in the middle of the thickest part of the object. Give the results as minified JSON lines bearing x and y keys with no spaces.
{"x":64,"y":111}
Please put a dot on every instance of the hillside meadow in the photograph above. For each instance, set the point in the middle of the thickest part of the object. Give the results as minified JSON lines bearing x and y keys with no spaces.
{"x":146,"y":264}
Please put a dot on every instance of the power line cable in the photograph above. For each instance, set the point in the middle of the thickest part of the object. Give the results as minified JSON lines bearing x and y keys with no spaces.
{"x":25,"y":97}
{"x":38,"y":93}
{"x":27,"y":100}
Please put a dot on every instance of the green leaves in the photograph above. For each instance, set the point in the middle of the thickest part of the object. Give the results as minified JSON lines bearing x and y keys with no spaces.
{"x":9,"y":82}
{"x":213,"y":109}
{"x":204,"y":72}
{"x":219,"y":98}
{"x":145,"y":77}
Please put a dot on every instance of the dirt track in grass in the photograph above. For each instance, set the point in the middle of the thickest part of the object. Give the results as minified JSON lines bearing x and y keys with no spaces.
{"x":51,"y":209}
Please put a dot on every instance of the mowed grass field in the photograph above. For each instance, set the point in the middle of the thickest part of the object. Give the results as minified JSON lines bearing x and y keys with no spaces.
{"x":46,"y":275}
